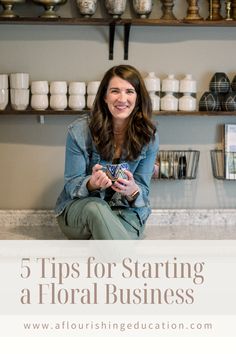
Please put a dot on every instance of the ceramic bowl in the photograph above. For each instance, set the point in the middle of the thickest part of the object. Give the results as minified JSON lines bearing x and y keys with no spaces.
{"x":58,"y":87}
{"x":39,"y":102}
{"x":76,"y":102}
{"x":219,"y":83}
{"x":209,"y":102}
{"x":233,"y":83}
{"x":77,"y":88}
{"x":3,"y":81}
{"x":228,"y":103}
{"x":39,"y":87}
{"x":4,"y":96}
{"x":90,"y":101}
{"x":58,"y":102}
{"x":92,"y":87}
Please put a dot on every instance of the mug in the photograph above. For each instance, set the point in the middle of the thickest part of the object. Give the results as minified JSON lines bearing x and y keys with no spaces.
{"x":39,"y":87}
{"x":115,"y":171}
{"x":19,"y":80}
{"x":3,"y":81}
{"x":58,"y":102}
{"x":3,"y":98}
{"x":19,"y":99}
{"x":58,"y":87}
{"x":77,"y":88}
{"x":76,"y":102}
{"x":92,"y":87}
{"x":39,"y":102}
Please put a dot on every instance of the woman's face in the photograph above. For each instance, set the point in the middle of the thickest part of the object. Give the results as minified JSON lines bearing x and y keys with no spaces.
{"x":120,"y":98}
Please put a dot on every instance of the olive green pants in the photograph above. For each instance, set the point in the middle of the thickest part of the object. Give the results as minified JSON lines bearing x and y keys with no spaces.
{"x":93,"y":218}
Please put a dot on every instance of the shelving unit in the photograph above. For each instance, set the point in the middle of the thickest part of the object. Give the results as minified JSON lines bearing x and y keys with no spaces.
{"x":51,"y":112}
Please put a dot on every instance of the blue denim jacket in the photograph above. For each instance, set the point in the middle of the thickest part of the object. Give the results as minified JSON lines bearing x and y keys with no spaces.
{"x":81,"y":156}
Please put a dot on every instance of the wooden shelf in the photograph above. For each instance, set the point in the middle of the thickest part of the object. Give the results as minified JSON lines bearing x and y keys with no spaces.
{"x":80,"y":21}
{"x":51,"y":112}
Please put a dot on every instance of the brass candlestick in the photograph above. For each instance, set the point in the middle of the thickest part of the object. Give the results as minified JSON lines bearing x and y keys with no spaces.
{"x":167,"y":8}
{"x":214,"y":10}
{"x":193,"y":10}
{"x":228,"y":8}
{"x":233,"y":9}
{"x":8,"y":8}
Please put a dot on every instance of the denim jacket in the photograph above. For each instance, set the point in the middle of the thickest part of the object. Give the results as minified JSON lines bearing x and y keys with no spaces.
{"x":81,"y":156}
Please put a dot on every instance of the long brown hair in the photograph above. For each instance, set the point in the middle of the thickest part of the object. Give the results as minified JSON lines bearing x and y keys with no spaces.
{"x":140,"y":130}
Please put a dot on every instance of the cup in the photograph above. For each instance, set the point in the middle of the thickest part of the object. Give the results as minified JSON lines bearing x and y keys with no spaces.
{"x":115,"y":171}
{"x":77,"y":102}
{"x":92,"y":87}
{"x":3,"y":81}
{"x":58,"y":102}
{"x":4,"y":96}
{"x":39,"y":87}
{"x":77,"y":88}
{"x":19,"y":80}
{"x":19,"y":99}
{"x":58,"y":87}
{"x":90,"y":101}
{"x":39,"y":102}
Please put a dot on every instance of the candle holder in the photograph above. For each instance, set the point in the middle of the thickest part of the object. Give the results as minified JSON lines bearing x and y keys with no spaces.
{"x":50,"y":6}
{"x":8,"y":8}
{"x":167,"y":8}
{"x":214,"y":10}
{"x":115,"y":8}
{"x":233,"y":11}
{"x":228,"y":8}
{"x":193,"y":11}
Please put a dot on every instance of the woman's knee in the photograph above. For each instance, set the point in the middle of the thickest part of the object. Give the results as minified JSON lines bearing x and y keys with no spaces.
{"x":95,"y":207}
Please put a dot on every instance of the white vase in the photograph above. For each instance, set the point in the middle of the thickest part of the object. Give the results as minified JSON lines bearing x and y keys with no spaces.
{"x":187,"y":84}
{"x":169,"y":102}
{"x":152,"y":82}
{"x":155,"y":101}
{"x":187,"y":102}
{"x":170,"y":84}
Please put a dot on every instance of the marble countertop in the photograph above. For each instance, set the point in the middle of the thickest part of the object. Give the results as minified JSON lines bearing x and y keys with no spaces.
{"x":152,"y":232}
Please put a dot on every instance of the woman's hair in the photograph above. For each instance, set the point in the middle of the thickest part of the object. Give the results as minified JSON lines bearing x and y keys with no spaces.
{"x":140,"y":129}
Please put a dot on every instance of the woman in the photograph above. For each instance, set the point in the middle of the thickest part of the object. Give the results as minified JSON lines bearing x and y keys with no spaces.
{"x":119,"y":129}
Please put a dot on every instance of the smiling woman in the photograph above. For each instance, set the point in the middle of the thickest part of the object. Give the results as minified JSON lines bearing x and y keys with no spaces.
{"x":119,"y":132}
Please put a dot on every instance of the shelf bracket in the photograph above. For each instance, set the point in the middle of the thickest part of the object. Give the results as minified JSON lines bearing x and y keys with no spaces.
{"x":112,"y":27}
{"x":41,"y":119}
{"x":127,"y":27}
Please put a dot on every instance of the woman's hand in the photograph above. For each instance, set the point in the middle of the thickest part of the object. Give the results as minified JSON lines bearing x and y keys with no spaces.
{"x":125,"y":186}
{"x":98,"y":179}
